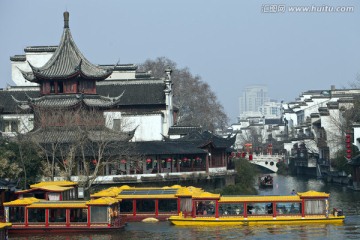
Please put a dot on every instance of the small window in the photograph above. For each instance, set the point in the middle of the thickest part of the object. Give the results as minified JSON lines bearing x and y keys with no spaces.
{"x":145,"y":206}
{"x":78,"y":215}
{"x":259,"y":208}
{"x":168,"y":205}
{"x":116,"y":125}
{"x":16,"y":214}
{"x":60,"y":87}
{"x":36,"y":215}
{"x":57,"y":215}
{"x":126,"y":206}
{"x":52,"y":87}
{"x":231,"y":209}
{"x":98,"y":214}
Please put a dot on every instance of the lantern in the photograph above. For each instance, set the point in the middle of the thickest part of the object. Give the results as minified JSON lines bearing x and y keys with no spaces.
{"x":148,"y":160}
{"x":198,"y":159}
{"x":94,"y":161}
{"x":168,"y":160}
{"x":185,"y":159}
{"x":348,"y":145}
{"x":238,"y":154}
{"x":123,"y":161}
{"x":250,"y":157}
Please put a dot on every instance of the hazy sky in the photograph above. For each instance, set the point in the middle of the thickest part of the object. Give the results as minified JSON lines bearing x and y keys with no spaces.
{"x":230,"y":44}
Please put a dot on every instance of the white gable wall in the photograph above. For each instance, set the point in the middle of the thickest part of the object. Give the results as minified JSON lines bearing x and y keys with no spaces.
{"x":148,"y":127}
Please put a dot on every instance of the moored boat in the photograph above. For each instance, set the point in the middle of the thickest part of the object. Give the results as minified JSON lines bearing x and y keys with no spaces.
{"x":32,"y":215}
{"x":305,"y":207}
{"x":139,"y":203}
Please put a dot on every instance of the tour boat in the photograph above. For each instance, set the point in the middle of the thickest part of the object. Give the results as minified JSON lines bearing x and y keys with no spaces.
{"x":266,"y":181}
{"x":142,"y":203}
{"x":207,"y":210}
{"x":32,"y":215}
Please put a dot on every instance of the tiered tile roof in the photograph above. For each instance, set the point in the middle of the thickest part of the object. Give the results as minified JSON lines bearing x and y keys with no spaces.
{"x":67,"y":62}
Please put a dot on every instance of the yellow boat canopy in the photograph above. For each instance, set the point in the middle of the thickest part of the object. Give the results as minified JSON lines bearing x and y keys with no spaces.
{"x":56,"y":183}
{"x":4,"y":225}
{"x":109,"y":192}
{"x":49,"y":188}
{"x":22,"y":202}
{"x":312,"y":194}
{"x":58,"y":204}
{"x":102,"y":201}
{"x":228,"y":199}
{"x":126,"y":192}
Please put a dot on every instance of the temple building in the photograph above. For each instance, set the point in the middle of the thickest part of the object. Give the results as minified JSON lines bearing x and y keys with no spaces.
{"x":62,"y":99}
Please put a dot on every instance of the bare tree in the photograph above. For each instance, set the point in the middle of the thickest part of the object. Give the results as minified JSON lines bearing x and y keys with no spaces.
{"x":254,"y":135}
{"x":197,"y":103}
{"x":77,"y":142}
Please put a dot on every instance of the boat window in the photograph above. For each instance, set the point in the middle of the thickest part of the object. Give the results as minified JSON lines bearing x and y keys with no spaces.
{"x":36,"y":215}
{"x":185,"y":204}
{"x":167,"y":205}
{"x":288,"y":208}
{"x":126,"y":206}
{"x":205,"y":208}
{"x":231,"y":209}
{"x":260,"y":208}
{"x":78,"y":215}
{"x":315,"y":207}
{"x":145,"y":205}
{"x":16,"y":214}
{"x":54,"y":196}
{"x":99,"y":214}
{"x":57,"y":215}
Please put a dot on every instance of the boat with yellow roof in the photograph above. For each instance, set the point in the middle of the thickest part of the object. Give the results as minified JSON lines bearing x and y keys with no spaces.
{"x":139,"y":203}
{"x":206,"y":209}
{"x":32,"y":215}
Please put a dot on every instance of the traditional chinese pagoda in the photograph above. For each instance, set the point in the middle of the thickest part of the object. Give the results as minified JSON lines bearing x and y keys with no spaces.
{"x":67,"y":84}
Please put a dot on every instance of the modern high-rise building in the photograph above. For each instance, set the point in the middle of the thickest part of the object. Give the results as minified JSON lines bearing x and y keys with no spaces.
{"x":252,"y":98}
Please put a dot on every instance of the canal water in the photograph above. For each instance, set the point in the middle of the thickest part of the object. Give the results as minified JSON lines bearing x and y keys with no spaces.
{"x":340,"y":197}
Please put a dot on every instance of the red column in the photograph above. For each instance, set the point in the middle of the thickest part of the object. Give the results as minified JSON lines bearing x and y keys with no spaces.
{"x":274,"y":209}
{"x":46,"y":217}
{"x":245,"y":210}
{"x":67,"y":213}
{"x":303,"y":208}
{"x":193,"y":213}
{"x":134,"y":206}
{"x":178,"y":205}
{"x":26,"y":216}
{"x":89,"y":217}
{"x":217,"y":208}
{"x":156,"y":207}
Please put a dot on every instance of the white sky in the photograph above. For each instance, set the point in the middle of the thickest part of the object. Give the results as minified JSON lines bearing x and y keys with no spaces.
{"x":230,"y":43}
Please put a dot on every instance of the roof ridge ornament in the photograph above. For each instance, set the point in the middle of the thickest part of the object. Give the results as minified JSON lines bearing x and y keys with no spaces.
{"x":66,"y":19}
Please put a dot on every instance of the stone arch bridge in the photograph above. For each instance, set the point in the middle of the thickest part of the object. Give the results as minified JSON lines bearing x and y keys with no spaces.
{"x":267,"y":161}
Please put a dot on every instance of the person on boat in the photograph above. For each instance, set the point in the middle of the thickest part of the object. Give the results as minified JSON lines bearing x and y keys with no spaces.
{"x":200,"y":208}
{"x":293,"y":192}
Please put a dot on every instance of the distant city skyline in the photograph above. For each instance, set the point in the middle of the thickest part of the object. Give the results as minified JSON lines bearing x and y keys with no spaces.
{"x":230,"y":44}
